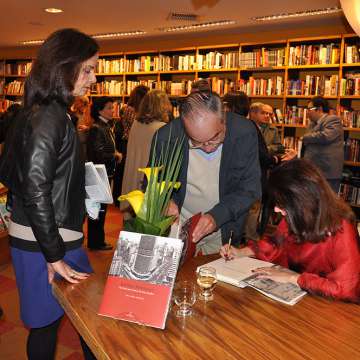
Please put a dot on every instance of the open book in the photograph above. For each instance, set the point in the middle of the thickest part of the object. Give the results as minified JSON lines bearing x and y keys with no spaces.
{"x":238,"y":272}
{"x":97,"y":184}
{"x":141,"y":279}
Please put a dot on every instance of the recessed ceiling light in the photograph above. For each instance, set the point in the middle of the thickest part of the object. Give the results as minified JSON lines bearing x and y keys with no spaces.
{"x":119,"y":34}
{"x":330,"y":10}
{"x":96,"y":36}
{"x":197,"y":26}
{"x":53,"y":10}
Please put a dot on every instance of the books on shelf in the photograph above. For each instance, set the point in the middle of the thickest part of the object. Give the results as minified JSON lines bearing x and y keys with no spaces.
{"x":270,"y":86}
{"x":350,"y":193}
{"x":5,"y":103}
{"x":312,"y":54}
{"x":350,"y":85}
{"x":19,"y":68}
{"x":222,"y":85}
{"x":262,"y":58}
{"x":144,"y":63}
{"x":132,"y":84}
{"x":325,"y":85}
{"x":218,"y":60}
{"x":105,"y":66}
{"x":15,"y":87}
{"x":350,"y":118}
{"x":141,"y":279}
{"x":352,"y":54}
{"x":108,"y":87}
{"x":291,"y":142}
{"x":352,"y":150}
{"x":239,"y":272}
{"x":176,"y":88}
{"x":296,"y":115}
{"x":177,"y":62}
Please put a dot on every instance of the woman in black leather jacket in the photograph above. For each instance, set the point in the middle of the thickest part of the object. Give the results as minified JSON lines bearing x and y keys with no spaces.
{"x":46,"y":179}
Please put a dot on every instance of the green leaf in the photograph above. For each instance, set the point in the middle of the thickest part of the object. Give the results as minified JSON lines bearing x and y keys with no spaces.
{"x":164,"y":224}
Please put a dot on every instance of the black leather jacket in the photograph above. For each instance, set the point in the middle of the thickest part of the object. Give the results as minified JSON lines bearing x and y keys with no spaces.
{"x":48,"y":186}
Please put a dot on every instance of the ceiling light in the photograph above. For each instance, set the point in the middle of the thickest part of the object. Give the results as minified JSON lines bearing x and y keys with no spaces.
{"x":53,"y":10}
{"x":120,"y":34}
{"x":197,"y":26}
{"x":325,"y":11}
{"x":31,"y":42}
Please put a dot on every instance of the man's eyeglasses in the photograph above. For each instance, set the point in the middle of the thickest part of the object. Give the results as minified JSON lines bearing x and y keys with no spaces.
{"x":313,"y":108}
{"x":215,"y":142}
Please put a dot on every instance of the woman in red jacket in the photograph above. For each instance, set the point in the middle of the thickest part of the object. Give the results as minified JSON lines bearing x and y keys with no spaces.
{"x":316,"y":237}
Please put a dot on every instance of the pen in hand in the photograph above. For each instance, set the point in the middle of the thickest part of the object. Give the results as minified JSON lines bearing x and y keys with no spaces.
{"x":229,"y":246}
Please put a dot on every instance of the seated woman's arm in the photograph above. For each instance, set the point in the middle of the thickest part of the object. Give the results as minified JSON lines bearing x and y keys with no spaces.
{"x":344,"y":256}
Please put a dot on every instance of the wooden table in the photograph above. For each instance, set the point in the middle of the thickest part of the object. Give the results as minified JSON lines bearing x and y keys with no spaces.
{"x":238,"y":324}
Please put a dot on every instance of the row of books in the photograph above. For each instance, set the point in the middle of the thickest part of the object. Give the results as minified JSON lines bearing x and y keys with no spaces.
{"x":291,"y":142}
{"x":176,"y":88}
{"x":216,"y":60}
{"x":352,"y":150}
{"x":222,"y":86}
{"x":20,"y":68}
{"x":15,"y":87}
{"x":111,"y":87}
{"x":296,"y":115}
{"x":326,"y":85}
{"x":5,"y":103}
{"x":314,"y":54}
{"x":350,"y":85}
{"x":271,"y":86}
{"x":263,"y":58}
{"x":352,"y":54}
{"x":350,"y":118}
{"x":350,"y":193}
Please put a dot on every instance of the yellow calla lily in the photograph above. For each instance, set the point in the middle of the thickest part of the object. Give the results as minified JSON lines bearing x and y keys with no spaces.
{"x":162,"y":186}
{"x":147,"y":172}
{"x":135,"y":198}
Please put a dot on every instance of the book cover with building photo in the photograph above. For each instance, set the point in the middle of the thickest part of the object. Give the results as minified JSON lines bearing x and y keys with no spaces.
{"x":141,"y":278}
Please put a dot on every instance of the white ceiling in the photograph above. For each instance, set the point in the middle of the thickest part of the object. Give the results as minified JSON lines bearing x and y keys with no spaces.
{"x":26,"y":20}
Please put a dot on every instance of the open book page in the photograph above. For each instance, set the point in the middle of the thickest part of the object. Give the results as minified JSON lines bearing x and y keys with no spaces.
{"x":97,"y":184}
{"x":286,"y":293}
{"x":236,"y":270}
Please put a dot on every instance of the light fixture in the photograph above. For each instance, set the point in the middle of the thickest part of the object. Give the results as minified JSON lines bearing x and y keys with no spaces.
{"x":96,"y":36}
{"x":31,"y":42}
{"x":119,"y":34}
{"x":325,"y":11}
{"x":53,"y":10}
{"x":197,"y":26}
{"x":352,"y":13}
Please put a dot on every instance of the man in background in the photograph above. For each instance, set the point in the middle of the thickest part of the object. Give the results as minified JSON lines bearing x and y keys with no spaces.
{"x":220,"y":173}
{"x":324,"y":141}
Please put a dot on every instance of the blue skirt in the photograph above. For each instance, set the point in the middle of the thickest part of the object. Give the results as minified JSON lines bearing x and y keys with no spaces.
{"x":38,"y":306}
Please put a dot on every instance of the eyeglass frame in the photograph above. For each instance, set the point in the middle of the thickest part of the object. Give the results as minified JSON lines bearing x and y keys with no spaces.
{"x":216,"y":144}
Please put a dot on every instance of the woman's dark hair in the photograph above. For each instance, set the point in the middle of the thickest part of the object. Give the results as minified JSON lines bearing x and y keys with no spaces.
{"x":313,"y":210}
{"x":98,"y":105}
{"x":237,"y":102}
{"x":136,"y":95}
{"x":57,"y":66}
{"x":319,"y":101}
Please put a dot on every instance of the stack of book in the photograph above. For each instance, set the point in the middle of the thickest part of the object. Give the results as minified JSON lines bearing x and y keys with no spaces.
{"x":142,"y":64}
{"x":18,"y":68}
{"x":105,"y":66}
{"x":350,"y":118}
{"x":325,"y":85}
{"x":350,"y":193}
{"x":266,"y":87}
{"x":351,"y":150}
{"x":177,"y":62}
{"x":262,"y":58}
{"x":222,"y":86}
{"x":352,"y":54}
{"x":109,"y":87}
{"x":296,"y":115}
{"x":15,"y":87}
{"x":217,"y":60}
{"x":130,"y":85}
{"x":351,"y":84}
{"x":176,"y":88}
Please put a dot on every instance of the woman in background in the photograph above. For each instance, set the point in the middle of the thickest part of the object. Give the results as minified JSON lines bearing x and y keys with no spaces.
{"x":121,"y":131}
{"x":237,"y":102}
{"x":101,"y":150}
{"x":316,"y":238}
{"x":153,"y":114}
{"x":43,"y":168}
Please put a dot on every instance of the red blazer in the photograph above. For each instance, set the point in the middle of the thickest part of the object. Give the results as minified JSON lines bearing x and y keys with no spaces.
{"x":329,"y":268}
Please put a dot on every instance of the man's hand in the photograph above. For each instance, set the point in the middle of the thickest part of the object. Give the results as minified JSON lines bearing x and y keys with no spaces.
{"x":173,"y":210}
{"x":289,"y":155}
{"x":65,"y":271}
{"x":118,"y":156}
{"x":205,"y":226}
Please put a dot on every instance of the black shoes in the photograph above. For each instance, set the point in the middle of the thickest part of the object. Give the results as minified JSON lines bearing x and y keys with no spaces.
{"x":101,"y":248}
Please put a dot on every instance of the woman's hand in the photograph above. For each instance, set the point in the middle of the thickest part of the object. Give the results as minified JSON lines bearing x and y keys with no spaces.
{"x":229,"y":253}
{"x":65,"y":271}
{"x":277,"y":274}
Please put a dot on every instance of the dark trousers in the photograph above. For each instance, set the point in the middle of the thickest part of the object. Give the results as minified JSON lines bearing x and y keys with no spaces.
{"x":96,"y":233}
{"x":41,"y":343}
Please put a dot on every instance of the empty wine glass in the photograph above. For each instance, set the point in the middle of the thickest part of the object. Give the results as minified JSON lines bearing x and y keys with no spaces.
{"x":206,"y":279}
{"x":184,"y":296}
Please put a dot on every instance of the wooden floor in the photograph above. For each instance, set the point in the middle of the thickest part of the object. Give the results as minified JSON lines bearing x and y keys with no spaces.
{"x":12,"y":332}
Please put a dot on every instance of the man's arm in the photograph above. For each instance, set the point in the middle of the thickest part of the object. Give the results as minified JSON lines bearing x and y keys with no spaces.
{"x":331,"y":130}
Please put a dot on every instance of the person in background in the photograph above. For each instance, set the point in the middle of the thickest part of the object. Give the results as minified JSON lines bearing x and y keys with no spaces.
{"x":316,"y":238}
{"x":42,"y":167}
{"x":237,"y":102}
{"x":201,"y":85}
{"x":262,"y":114}
{"x":153,"y":114}
{"x":121,"y":132}
{"x":101,"y":150}
{"x":6,"y":118}
{"x":324,"y":141}
{"x":220,"y":173}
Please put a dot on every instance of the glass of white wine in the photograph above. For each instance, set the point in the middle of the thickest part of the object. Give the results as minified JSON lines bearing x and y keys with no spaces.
{"x":184,"y":296}
{"x":206,"y":279}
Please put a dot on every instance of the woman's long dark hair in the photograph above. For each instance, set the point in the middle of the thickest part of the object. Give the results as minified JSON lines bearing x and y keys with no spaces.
{"x":57,"y":66}
{"x":313,"y":210}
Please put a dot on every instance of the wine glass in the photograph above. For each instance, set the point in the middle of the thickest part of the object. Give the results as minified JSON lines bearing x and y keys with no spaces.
{"x":206,"y":279}
{"x":184,"y":297}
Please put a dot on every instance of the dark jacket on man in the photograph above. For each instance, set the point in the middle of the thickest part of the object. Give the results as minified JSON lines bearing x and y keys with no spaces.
{"x":239,"y":178}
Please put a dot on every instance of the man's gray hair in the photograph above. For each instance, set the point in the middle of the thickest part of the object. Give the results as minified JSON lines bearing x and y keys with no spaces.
{"x":200,"y":102}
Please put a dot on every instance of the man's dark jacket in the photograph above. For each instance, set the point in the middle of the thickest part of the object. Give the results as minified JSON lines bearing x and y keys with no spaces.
{"x":239,"y":178}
